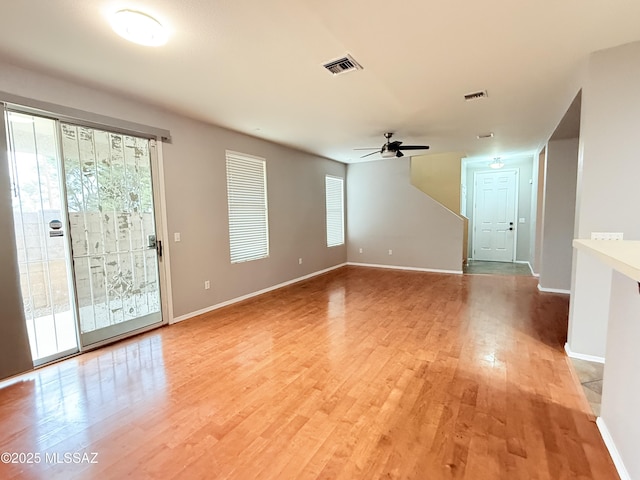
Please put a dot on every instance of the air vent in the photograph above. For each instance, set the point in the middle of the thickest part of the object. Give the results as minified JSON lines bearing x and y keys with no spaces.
{"x":475,"y":95}
{"x":342,"y":65}
{"x":485,"y":135}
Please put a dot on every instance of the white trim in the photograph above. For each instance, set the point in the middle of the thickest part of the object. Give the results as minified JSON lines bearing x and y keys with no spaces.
{"x":529,"y":264}
{"x":613,"y":451}
{"x":582,"y":356}
{"x":554,"y":290}
{"x":397,"y":267}
{"x":165,"y":262}
{"x":253,"y":294}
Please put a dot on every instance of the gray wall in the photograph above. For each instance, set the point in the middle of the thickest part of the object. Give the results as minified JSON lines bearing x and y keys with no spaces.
{"x":15,"y":356}
{"x":608,"y":173}
{"x":525,"y":187}
{"x":196,"y":205}
{"x":196,"y":192}
{"x":621,"y":385}
{"x":387,"y":213}
{"x":559,"y":214}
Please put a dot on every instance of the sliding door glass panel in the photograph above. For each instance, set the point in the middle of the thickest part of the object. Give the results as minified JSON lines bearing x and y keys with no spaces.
{"x":43,"y":251}
{"x":111,"y":216}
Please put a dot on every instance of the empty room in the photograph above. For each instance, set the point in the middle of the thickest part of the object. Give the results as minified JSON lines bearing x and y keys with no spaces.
{"x":302,"y":240}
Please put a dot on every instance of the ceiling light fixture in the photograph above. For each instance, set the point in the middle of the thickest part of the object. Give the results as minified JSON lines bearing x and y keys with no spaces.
{"x":139,"y":27}
{"x":497,"y":163}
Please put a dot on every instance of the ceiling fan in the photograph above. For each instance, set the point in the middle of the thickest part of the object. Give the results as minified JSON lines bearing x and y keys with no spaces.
{"x":392,"y":149}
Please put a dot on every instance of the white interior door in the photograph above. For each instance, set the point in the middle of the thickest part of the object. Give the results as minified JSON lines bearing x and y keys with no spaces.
{"x":494,"y":216}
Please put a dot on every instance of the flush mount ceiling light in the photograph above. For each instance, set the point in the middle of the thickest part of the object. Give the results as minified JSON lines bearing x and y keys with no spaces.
{"x":497,"y":163}
{"x":139,"y":27}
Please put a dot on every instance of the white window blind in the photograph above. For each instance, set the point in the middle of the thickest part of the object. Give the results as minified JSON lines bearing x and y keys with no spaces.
{"x":247,"y":199}
{"x":335,"y":211}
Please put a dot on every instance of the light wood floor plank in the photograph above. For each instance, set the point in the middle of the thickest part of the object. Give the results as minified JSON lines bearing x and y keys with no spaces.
{"x":356,"y":374}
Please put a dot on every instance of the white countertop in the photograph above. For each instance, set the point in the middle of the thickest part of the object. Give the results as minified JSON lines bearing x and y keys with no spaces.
{"x":621,"y":255}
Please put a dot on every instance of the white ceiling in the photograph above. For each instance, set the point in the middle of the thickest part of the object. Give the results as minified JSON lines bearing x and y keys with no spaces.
{"x":256,"y":65}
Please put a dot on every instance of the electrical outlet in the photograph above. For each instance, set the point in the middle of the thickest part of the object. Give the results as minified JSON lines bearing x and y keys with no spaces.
{"x":390,"y":252}
{"x":300,"y":261}
{"x":521,"y":220}
{"x":207,"y":284}
{"x":360,"y":250}
{"x":176,"y":237}
{"x":607,"y":236}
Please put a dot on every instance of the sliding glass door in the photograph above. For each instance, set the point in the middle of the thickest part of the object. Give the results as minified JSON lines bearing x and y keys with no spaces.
{"x":85,"y":232}
{"x":39,"y":215}
{"x":112,"y":228}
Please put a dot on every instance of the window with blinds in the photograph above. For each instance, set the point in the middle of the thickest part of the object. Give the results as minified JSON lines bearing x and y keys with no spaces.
{"x":248,"y":214}
{"x":334,"y":199}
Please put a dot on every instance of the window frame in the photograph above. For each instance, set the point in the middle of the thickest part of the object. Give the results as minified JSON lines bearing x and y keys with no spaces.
{"x":334,"y":212}
{"x":247,"y":242}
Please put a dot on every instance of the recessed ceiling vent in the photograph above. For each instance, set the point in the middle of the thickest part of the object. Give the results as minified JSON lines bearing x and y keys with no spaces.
{"x":485,"y":135}
{"x":475,"y":95}
{"x":342,"y":65}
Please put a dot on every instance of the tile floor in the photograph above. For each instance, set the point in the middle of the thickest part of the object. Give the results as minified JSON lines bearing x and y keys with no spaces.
{"x":497,"y":268}
{"x":590,"y":375}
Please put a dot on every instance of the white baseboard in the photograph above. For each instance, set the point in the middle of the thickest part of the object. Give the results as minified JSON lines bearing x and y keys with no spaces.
{"x":525,"y":262}
{"x":582,"y":356}
{"x":414,"y":269}
{"x":253,"y":294}
{"x":554,"y":290}
{"x":613,"y":451}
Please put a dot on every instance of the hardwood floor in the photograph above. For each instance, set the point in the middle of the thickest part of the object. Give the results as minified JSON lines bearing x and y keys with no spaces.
{"x":356,"y":374}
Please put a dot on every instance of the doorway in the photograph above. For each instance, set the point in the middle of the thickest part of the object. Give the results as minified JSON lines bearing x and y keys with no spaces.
{"x":494,"y":215}
{"x":83,"y":204}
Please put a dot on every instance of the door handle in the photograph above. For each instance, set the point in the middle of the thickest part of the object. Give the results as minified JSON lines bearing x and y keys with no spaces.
{"x":153,"y":242}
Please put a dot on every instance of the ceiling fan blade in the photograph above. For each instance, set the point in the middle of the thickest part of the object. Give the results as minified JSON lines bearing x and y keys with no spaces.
{"x":394,"y":145}
{"x":414,"y":147}
{"x":372,"y":153}
{"x":369,"y":148}
{"x":399,"y":154}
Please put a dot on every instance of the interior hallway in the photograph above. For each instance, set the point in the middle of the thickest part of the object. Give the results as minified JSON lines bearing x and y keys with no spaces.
{"x":360,"y":373}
